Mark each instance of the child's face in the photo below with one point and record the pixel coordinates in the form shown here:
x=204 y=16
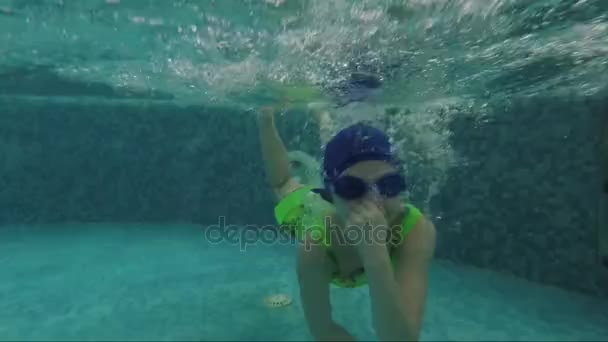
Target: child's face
x=370 y=172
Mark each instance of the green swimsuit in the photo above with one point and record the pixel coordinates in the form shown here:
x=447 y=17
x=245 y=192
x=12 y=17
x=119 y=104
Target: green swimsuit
x=304 y=211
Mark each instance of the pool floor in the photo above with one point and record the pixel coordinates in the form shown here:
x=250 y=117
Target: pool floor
x=149 y=282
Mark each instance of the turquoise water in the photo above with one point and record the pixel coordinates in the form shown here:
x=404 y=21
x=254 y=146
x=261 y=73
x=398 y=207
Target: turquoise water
x=167 y=282
x=241 y=53
x=150 y=282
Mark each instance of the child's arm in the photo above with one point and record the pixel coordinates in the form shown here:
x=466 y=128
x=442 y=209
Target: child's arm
x=314 y=275
x=274 y=154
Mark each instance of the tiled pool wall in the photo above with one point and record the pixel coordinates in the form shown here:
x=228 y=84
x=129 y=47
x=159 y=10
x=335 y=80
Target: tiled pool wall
x=525 y=202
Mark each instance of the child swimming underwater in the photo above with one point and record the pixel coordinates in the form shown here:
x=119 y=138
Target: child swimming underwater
x=363 y=235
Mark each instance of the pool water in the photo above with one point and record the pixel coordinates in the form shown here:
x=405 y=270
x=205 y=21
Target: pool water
x=167 y=282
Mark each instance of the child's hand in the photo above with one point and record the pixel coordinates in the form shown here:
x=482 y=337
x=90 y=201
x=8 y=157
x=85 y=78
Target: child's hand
x=368 y=219
x=266 y=113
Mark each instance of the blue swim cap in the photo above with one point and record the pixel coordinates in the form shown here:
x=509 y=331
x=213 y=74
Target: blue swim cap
x=353 y=144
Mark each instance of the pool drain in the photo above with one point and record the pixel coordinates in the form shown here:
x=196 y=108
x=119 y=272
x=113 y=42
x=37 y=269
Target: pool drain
x=278 y=300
